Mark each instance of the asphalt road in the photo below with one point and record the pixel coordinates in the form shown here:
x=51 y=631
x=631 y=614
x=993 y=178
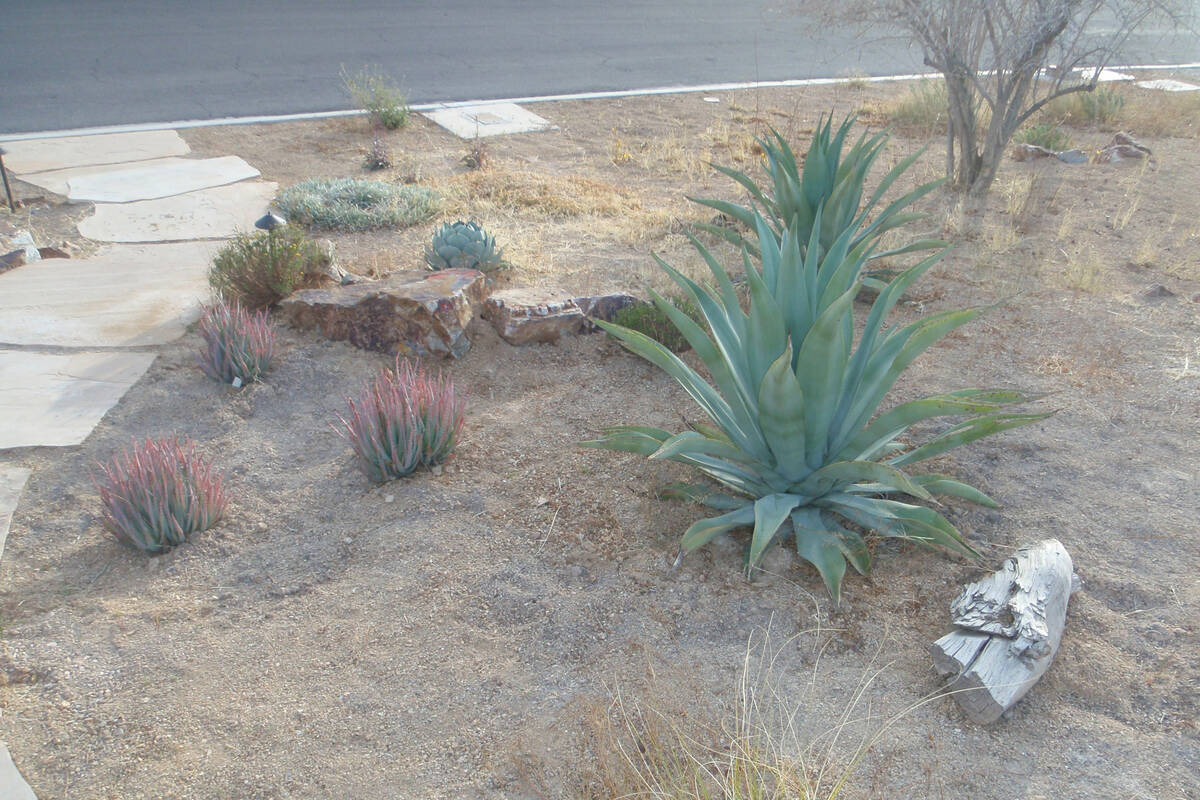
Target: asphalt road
x=84 y=63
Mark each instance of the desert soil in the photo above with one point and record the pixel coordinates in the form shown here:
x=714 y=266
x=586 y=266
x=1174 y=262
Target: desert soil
x=448 y=635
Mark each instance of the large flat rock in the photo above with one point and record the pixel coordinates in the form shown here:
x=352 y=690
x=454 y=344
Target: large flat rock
x=131 y=182
x=39 y=155
x=411 y=313
x=124 y=295
x=56 y=400
x=216 y=213
x=12 y=481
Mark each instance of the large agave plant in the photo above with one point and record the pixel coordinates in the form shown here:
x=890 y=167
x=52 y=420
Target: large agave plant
x=831 y=182
x=794 y=397
x=463 y=245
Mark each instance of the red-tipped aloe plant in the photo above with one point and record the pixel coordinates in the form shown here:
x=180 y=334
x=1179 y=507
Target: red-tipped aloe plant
x=158 y=492
x=238 y=344
x=403 y=419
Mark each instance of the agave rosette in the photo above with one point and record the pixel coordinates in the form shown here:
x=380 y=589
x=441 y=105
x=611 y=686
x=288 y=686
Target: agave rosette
x=794 y=396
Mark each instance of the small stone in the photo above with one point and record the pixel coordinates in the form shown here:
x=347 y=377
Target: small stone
x=12 y=260
x=436 y=469
x=541 y=501
x=1029 y=152
x=1075 y=156
x=53 y=252
x=348 y=540
x=387 y=498
x=1195 y=298
x=1156 y=291
x=529 y=316
x=262 y=526
x=603 y=307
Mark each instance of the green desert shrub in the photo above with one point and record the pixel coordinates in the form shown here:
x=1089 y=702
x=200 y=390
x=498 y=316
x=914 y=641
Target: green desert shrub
x=351 y=204
x=158 y=492
x=259 y=269
x=379 y=96
x=1049 y=135
x=649 y=319
x=1102 y=107
x=797 y=444
x=924 y=109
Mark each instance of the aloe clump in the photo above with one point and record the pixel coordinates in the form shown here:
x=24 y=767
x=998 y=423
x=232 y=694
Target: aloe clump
x=794 y=397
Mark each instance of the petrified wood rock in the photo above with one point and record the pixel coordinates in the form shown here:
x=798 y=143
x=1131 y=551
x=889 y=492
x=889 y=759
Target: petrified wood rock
x=1007 y=629
x=412 y=313
x=528 y=316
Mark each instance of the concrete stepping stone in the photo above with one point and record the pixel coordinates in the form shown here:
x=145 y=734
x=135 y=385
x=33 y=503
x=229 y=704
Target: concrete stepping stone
x=56 y=400
x=56 y=179
x=216 y=213
x=38 y=155
x=124 y=295
x=488 y=119
x=131 y=182
x=12 y=481
x=12 y=785
x=1168 y=85
x=142 y=180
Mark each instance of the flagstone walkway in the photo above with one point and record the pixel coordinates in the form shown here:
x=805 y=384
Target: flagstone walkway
x=161 y=216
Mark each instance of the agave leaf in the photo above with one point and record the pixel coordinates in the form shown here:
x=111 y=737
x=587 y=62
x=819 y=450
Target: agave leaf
x=781 y=417
x=743 y=432
x=770 y=512
x=740 y=213
x=852 y=384
x=968 y=431
x=902 y=520
x=693 y=443
x=911 y=247
x=887 y=426
x=819 y=373
x=695 y=493
x=892 y=356
x=816 y=544
x=843 y=473
x=766 y=336
x=945 y=485
x=704 y=531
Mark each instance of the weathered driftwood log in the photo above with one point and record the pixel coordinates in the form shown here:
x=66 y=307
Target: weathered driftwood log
x=1006 y=630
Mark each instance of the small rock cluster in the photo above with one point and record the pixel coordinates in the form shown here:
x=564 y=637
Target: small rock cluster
x=428 y=313
x=20 y=249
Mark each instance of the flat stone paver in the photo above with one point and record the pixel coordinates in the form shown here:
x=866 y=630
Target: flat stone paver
x=38 y=155
x=216 y=213
x=55 y=180
x=12 y=481
x=1168 y=85
x=124 y=295
x=12 y=785
x=488 y=119
x=56 y=400
x=131 y=182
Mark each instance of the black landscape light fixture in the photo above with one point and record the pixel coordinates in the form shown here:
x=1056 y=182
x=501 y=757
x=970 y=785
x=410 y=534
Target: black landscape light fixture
x=270 y=221
x=7 y=191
